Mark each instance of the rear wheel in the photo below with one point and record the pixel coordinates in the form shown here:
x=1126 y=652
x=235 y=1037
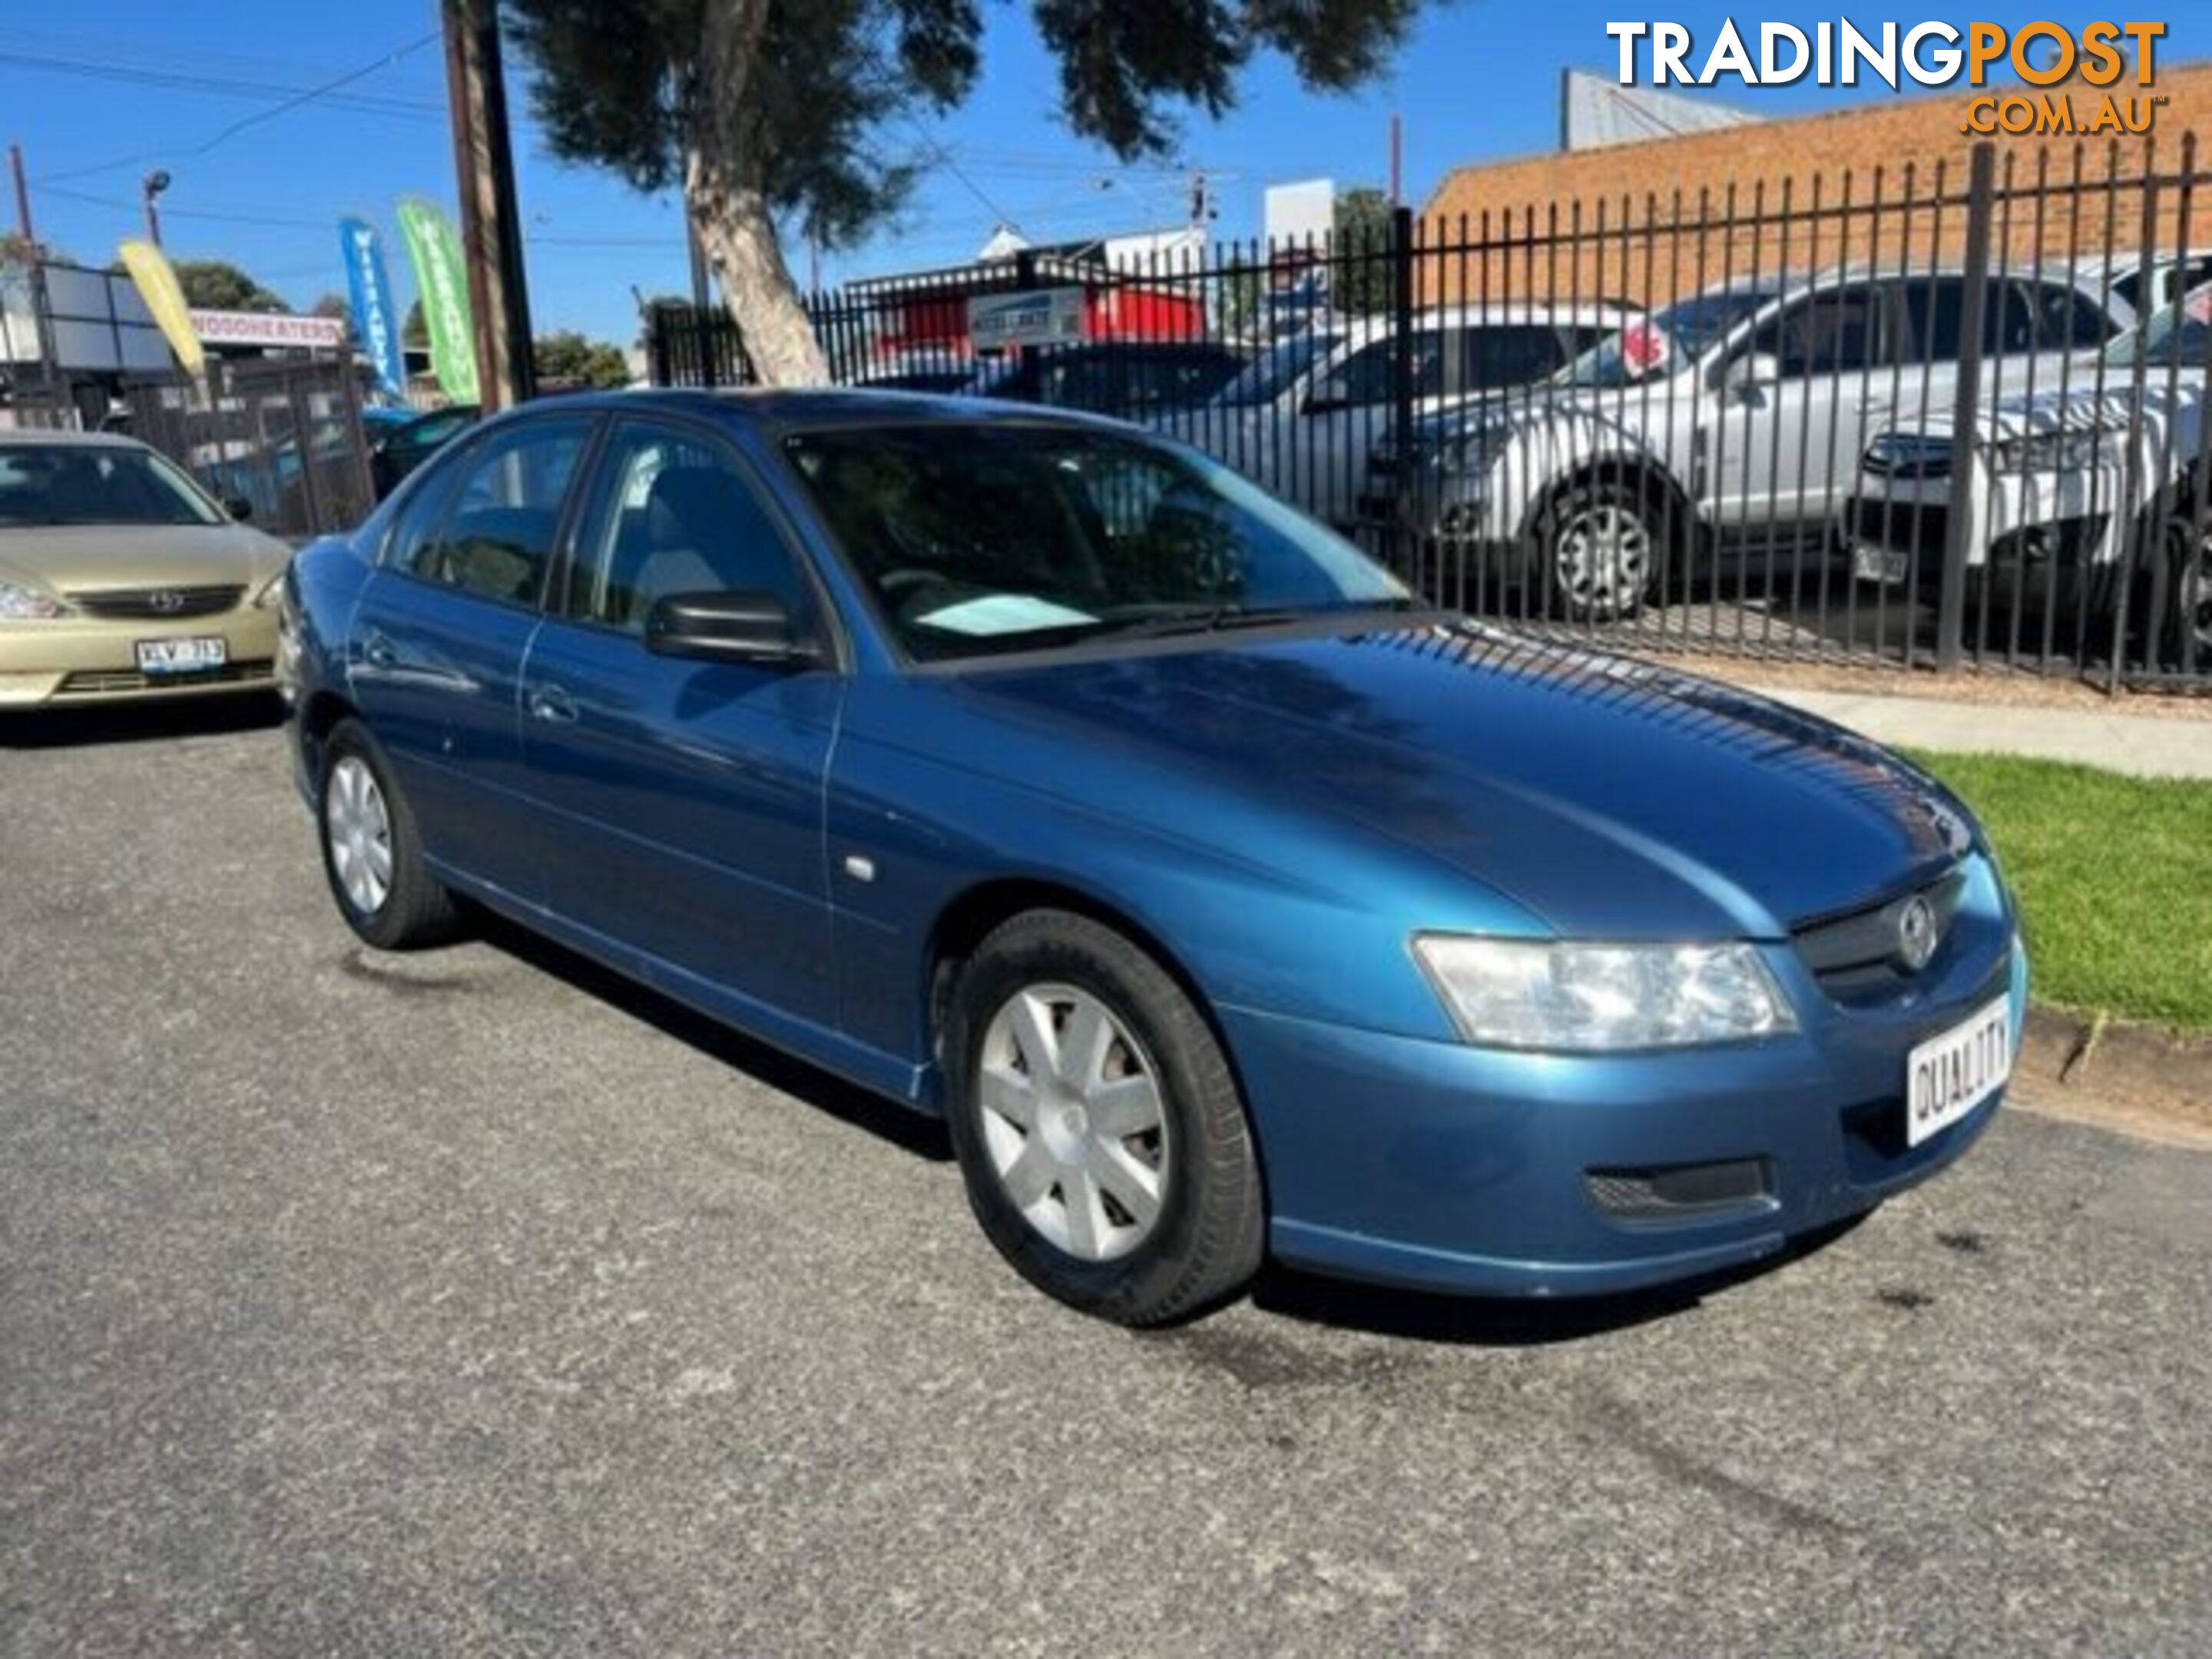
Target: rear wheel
x=1097 y=1124
x=371 y=851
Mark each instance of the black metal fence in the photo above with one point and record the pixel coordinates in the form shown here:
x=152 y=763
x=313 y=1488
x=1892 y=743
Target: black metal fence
x=1946 y=417
x=282 y=436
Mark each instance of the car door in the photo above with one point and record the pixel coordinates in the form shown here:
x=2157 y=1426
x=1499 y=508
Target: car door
x=435 y=648
x=1791 y=408
x=683 y=798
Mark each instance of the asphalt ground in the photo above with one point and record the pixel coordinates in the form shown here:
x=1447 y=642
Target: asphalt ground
x=474 y=1302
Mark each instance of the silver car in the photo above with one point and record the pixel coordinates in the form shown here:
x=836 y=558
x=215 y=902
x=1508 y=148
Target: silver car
x=1727 y=424
x=2062 y=480
x=1303 y=419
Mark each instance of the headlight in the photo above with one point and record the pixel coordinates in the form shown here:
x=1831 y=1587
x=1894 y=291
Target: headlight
x=271 y=593
x=2051 y=451
x=1576 y=998
x=1469 y=451
x=20 y=604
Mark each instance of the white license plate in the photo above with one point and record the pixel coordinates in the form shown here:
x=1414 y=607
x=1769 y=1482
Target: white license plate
x=1951 y=1073
x=1878 y=564
x=193 y=656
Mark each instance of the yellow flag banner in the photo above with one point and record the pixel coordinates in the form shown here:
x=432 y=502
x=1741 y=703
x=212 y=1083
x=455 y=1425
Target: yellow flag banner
x=157 y=285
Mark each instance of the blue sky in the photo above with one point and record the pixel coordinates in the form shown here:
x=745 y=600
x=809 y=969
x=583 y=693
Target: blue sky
x=1479 y=81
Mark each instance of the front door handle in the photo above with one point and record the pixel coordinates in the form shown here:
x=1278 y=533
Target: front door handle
x=552 y=703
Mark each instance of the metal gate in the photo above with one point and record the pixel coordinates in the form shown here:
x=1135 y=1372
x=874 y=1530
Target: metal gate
x=283 y=439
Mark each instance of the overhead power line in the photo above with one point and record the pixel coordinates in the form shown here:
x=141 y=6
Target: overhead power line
x=220 y=86
x=175 y=152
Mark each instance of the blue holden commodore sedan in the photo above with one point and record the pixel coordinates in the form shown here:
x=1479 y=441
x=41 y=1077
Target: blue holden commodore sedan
x=1225 y=899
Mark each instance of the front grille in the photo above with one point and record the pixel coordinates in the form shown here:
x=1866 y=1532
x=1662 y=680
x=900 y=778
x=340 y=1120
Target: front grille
x=1905 y=455
x=1858 y=951
x=1682 y=1192
x=1907 y=526
x=105 y=682
x=158 y=604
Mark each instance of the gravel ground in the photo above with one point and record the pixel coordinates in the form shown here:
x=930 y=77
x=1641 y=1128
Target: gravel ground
x=473 y=1303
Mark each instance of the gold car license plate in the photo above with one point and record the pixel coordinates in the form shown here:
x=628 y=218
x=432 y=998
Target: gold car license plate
x=191 y=656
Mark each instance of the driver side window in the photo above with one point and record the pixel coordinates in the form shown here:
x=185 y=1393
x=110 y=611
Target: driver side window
x=671 y=512
x=1837 y=332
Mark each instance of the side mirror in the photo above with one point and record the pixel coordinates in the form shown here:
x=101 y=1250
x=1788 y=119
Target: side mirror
x=238 y=507
x=1753 y=370
x=752 y=627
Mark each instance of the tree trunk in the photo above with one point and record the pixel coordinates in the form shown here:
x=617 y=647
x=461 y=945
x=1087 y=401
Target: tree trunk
x=724 y=189
x=739 y=235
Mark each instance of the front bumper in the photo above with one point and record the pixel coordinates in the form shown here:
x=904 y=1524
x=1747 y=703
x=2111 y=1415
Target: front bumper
x=2023 y=531
x=1434 y=1165
x=87 y=660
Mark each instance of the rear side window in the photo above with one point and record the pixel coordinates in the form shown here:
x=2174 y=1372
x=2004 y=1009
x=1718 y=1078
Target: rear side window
x=495 y=536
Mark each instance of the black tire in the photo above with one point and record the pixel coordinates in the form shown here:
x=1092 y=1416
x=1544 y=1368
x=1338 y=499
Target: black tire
x=1576 y=591
x=416 y=909
x=2188 y=587
x=1210 y=1236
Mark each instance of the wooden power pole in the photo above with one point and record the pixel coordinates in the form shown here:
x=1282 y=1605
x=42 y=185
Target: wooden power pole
x=491 y=227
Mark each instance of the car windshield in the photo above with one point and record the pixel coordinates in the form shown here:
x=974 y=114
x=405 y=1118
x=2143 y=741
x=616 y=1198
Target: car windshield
x=1269 y=374
x=1663 y=341
x=983 y=539
x=49 y=484
x=2178 y=336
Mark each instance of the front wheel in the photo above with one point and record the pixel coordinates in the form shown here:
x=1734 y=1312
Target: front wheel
x=2188 y=551
x=1099 y=1127
x=1598 y=552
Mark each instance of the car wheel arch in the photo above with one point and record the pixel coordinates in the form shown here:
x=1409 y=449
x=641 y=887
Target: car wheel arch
x=968 y=918
x=319 y=716
x=1668 y=502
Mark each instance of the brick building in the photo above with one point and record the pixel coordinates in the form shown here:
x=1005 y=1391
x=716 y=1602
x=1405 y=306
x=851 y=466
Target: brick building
x=1882 y=184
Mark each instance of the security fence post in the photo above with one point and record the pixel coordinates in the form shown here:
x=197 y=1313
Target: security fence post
x=1951 y=606
x=1406 y=555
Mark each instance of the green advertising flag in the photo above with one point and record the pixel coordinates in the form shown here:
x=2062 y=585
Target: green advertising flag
x=435 y=253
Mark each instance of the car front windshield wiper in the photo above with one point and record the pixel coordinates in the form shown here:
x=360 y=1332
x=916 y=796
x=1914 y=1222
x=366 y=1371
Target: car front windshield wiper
x=1222 y=619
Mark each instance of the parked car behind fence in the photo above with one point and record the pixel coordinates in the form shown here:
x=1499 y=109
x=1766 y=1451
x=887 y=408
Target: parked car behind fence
x=1720 y=431
x=2087 y=498
x=1828 y=316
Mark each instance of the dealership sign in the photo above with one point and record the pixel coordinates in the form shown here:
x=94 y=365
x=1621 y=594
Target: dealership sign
x=1935 y=53
x=268 y=328
x=1034 y=318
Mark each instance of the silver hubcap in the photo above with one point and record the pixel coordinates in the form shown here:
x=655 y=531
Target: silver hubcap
x=360 y=835
x=1072 y=1120
x=1604 y=558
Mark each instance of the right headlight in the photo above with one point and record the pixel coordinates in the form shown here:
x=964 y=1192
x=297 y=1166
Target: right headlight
x=1469 y=449
x=1574 y=997
x=21 y=604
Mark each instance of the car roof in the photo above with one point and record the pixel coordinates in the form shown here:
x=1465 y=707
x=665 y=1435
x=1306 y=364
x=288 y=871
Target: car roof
x=31 y=434
x=780 y=410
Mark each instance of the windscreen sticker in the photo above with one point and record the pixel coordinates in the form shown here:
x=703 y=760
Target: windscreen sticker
x=1643 y=347
x=1003 y=613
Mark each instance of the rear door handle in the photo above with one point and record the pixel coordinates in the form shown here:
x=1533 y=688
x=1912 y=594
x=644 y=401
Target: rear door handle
x=552 y=703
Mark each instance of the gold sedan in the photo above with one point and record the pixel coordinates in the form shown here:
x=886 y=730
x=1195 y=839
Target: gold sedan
x=121 y=579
